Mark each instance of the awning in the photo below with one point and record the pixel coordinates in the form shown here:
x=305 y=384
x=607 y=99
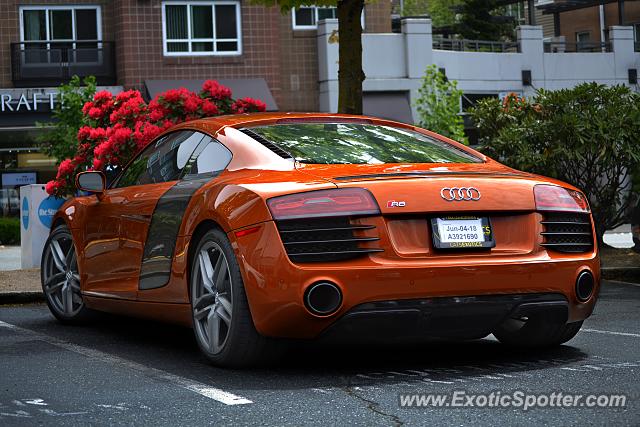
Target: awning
x=388 y=105
x=256 y=88
x=569 y=5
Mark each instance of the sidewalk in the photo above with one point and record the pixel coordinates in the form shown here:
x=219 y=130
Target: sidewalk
x=20 y=286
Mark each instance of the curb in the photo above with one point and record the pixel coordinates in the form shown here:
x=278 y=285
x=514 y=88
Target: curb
x=627 y=274
x=18 y=297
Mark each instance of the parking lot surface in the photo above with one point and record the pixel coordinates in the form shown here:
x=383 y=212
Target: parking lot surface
x=123 y=371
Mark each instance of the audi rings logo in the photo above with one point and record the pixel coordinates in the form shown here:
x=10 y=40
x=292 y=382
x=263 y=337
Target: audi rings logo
x=460 y=193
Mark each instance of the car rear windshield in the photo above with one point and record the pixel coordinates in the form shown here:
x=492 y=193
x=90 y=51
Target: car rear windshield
x=355 y=143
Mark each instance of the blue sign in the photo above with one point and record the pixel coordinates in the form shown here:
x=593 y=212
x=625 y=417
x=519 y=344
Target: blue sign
x=25 y=213
x=47 y=209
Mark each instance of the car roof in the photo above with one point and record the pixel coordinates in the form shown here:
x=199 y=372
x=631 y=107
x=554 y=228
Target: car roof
x=215 y=124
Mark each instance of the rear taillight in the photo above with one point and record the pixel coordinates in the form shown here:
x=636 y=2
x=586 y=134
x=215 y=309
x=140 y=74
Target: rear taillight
x=556 y=198
x=324 y=203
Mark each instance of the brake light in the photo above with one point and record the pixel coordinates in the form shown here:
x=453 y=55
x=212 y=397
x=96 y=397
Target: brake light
x=324 y=203
x=556 y=198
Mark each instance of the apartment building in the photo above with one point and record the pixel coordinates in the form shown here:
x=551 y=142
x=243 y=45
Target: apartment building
x=150 y=45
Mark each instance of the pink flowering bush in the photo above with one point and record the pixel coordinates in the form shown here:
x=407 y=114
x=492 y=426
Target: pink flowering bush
x=118 y=127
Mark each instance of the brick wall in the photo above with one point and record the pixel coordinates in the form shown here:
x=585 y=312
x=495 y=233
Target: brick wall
x=140 y=55
x=588 y=19
x=10 y=27
x=377 y=17
x=298 y=66
x=299 y=57
x=286 y=59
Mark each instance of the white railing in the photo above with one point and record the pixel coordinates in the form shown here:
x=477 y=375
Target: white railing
x=396 y=62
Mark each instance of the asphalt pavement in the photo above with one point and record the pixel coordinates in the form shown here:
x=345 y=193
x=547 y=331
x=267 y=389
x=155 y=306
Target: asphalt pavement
x=122 y=371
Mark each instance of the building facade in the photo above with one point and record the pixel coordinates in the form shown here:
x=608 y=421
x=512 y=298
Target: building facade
x=149 y=45
x=584 y=24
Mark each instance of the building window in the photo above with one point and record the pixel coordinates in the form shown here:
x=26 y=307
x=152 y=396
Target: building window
x=636 y=32
x=61 y=24
x=201 y=28
x=583 y=37
x=307 y=17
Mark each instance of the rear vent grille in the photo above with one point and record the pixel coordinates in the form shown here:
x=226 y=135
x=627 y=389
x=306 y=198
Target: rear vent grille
x=270 y=145
x=325 y=239
x=567 y=232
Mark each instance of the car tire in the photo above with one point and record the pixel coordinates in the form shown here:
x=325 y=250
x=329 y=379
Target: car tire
x=60 y=278
x=536 y=332
x=219 y=307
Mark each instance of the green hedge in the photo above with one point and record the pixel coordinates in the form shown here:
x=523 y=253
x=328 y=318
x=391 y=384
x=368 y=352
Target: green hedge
x=9 y=231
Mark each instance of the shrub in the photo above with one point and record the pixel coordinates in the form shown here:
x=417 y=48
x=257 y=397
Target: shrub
x=115 y=128
x=588 y=136
x=438 y=105
x=58 y=140
x=9 y=231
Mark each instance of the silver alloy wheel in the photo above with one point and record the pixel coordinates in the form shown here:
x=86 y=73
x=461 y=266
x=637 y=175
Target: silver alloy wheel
x=212 y=297
x=61 y=281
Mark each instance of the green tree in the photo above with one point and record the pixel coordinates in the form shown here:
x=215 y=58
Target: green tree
x=415 y=7
x=588 y=136
x=443 y=12
x=482 y=20
x=350 y=74
x=60 y=139
x=438 y=105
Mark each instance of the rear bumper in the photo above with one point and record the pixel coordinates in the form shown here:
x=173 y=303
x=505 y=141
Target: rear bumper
x=444 y=317
x=275 y=286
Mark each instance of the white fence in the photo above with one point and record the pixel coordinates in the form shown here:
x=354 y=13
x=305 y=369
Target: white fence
x=396 y=62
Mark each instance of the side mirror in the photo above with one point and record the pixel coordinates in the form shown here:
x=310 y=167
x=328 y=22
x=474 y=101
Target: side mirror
x=91 y=181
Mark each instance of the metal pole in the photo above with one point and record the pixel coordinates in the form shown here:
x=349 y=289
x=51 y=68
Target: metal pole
x=620 y=12
x=532 y=12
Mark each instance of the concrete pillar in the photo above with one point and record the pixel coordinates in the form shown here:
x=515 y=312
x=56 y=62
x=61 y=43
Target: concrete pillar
x=557 y=44
x=531 y=42
x=326 y=37
x=418 y=45
x=622 y=45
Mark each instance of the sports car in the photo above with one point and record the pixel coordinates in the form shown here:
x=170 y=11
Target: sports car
x=260 y=228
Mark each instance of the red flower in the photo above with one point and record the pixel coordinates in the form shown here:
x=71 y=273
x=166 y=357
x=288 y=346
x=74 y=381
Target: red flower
x=103 y=96
x=50 y=187
x=97 y=134
x=66 y=168
x=248 y=105
x=173 y=95
x=192 y=104
x=215 y=90
x=124 y=96
x=84 y=132
x=95 y=113
x=98 y=164
x=209 y=108
x=86 y=107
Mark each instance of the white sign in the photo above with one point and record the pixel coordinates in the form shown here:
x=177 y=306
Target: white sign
x=13 y=179
x=27 y=102
x=460 y=230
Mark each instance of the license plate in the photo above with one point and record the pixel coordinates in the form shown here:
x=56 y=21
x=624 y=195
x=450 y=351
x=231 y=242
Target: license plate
x=462 y=232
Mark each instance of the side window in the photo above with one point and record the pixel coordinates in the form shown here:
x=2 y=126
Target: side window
x=213 y=159
x=162 y=160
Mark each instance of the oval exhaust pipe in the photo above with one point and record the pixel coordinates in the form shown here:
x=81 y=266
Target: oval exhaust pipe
x=323 y=298
x=585 y=285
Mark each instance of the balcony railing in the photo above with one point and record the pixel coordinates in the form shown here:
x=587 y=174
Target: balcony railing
x=43 y=63
x=588 y=47
x=464 y=45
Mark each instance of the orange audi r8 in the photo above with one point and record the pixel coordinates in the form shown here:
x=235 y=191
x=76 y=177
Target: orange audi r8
x=251 y=228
